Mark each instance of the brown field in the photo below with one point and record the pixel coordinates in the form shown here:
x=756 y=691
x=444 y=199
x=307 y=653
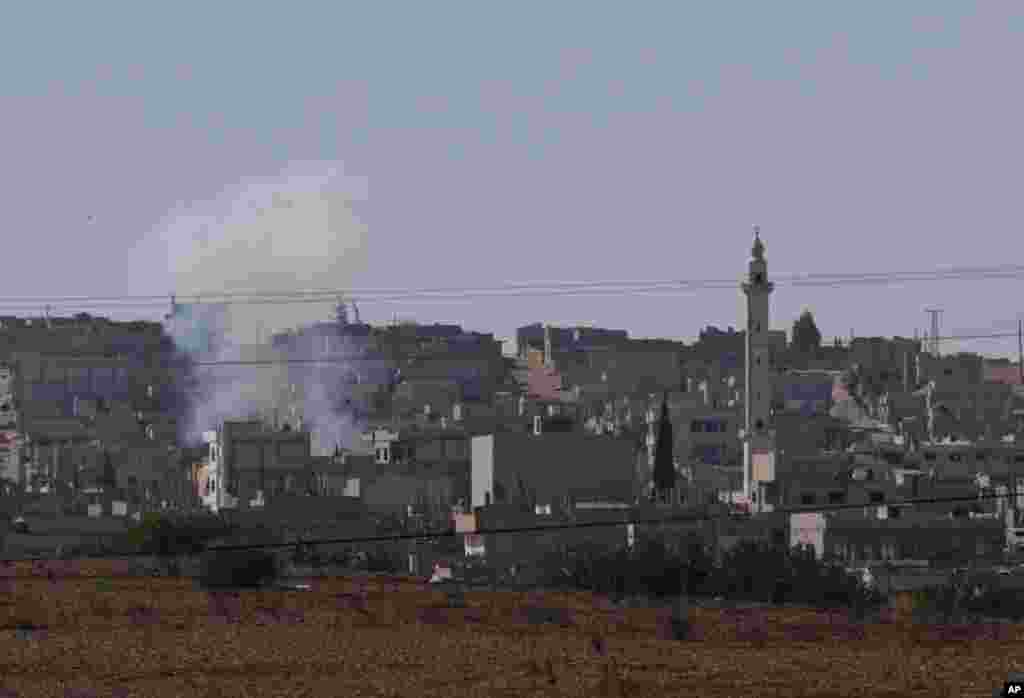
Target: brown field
x=389 y=645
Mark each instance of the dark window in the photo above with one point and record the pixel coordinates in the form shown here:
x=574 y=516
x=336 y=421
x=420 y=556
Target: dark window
x=877 y=497
x=956 y=457
x=807 y=498
x=929 y=456
x=695 y=426
x=836 y=497
x=1019 y=458
x=894 y=512
x=760 y=424
x=948 y=372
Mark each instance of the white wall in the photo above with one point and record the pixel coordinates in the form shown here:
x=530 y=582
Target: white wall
x=482 y=478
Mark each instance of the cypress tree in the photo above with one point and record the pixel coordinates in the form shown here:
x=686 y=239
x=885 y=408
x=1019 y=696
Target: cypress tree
x=664 y=469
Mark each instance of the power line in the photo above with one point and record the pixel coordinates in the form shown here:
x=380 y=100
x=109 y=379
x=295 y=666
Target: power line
x=562 y=288
x=688 y=517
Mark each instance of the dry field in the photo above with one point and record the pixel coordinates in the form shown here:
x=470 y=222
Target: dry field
x=162 y=637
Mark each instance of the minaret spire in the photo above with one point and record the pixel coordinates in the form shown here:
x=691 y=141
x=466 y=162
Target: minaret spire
x=758 y=251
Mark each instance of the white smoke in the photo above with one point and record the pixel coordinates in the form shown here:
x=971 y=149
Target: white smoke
x=296 y=231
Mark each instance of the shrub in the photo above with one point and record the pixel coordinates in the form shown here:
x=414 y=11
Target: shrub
x=238 y=568
x=751 y=571
x=380 y=561
x=162 y=534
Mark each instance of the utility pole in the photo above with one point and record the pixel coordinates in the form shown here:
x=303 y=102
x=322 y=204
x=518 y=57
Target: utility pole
x=1020 y=349
x=934 y=312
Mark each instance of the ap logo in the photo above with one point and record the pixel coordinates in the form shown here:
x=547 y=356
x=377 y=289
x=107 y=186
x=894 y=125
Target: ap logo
x=1014 y=686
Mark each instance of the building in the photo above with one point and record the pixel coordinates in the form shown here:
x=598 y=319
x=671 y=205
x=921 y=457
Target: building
x=889 y=364
x=550 y=469
x=1003 y=371
x=957 y=369
x=941 y=542
x=10 y=437
x=250 y=463
x=758 y=435
x=559 y=339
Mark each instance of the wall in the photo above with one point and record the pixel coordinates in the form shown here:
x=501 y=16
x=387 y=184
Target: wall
x=482 y=470
x=552 y=466
x=391 y=494
x=505 y=549
x=940 y=540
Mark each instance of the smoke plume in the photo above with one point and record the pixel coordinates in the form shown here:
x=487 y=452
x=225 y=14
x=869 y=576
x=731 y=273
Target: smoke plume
x=296 y=231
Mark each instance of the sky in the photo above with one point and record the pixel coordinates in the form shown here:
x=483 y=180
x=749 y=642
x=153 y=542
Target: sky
x=489 y=144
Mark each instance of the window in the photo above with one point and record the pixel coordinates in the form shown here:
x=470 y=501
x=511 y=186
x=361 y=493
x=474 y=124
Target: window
x=836 y=497
x=877 y=497
x=759 y=425
x=695 y=426
x=929 y=456
x=948 y=372
x=807 y=498
x=956 y=457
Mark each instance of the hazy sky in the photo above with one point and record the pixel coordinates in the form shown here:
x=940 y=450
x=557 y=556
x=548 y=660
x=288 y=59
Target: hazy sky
x=535 y=142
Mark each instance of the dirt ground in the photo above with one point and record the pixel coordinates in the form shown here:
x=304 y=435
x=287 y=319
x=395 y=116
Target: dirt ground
x=164 y=637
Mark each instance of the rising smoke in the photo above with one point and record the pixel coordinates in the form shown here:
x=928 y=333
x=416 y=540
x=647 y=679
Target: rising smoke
x=296 y=231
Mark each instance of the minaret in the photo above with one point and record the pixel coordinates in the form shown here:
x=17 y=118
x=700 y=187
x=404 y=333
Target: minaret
x=758 y=435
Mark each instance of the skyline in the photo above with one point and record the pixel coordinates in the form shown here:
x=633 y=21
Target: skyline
x=507 y=149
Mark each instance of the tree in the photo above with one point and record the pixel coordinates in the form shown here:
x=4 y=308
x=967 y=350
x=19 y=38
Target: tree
x=664 y=468
x=805 y=336
x=109 y=474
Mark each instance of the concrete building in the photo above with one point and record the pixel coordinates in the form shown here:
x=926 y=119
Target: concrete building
x=957 y=369
x=550 y=469
x=758 y=434
x=560 y=339
x=969 y=411
x=1003 y=371
x=915 y=537
x=251 y=463
x=10 y=435
x=889 y=363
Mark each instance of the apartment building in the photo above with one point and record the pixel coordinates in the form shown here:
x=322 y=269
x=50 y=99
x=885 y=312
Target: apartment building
x=250 y=463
